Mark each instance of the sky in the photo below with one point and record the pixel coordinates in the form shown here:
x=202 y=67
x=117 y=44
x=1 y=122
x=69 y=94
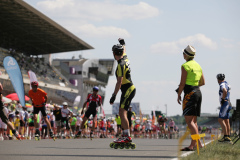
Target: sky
x=155 y=33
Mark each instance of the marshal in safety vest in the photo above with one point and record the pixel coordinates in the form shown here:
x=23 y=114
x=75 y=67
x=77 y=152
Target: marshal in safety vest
x=194 y=72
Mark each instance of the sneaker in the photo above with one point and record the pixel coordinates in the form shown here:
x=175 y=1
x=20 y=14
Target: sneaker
x=221 y=140
x=227 y=140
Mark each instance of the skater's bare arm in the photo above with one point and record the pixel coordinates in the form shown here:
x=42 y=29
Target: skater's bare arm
x=46 y=98
x=202 y=81
x=84 y=105
x=118 y=85
x=1 y=87
x=182 y=84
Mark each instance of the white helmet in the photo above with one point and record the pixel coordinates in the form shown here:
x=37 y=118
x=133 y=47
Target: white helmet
x=65 y=104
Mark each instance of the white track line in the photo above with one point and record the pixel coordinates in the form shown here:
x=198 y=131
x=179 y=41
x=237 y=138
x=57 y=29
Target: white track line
x=188 y=153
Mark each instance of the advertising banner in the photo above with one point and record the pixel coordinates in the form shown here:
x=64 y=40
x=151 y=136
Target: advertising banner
x=15 y=75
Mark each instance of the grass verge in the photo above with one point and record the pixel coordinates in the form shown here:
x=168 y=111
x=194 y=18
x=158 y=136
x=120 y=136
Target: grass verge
x=217 y=151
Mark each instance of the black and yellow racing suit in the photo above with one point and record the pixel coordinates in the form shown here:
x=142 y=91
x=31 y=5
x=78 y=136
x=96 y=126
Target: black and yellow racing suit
x=127 y=87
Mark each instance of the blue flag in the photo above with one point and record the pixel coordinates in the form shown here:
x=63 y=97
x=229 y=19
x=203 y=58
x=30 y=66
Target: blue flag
x=15 y=75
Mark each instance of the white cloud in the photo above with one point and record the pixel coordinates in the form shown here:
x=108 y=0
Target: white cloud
x=198 y=40
x=98 y=11
x=104 y=31
x=90 y=30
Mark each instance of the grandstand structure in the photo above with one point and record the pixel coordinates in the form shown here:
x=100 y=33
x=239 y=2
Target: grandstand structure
x=84 y=74
x=31 y=37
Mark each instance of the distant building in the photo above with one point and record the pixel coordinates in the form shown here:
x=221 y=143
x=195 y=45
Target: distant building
x=86 y=73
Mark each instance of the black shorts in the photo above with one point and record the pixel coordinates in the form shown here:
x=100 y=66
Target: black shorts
x=42 y=109
x=21 y=123
x=73 y=128
x=2 y=114
x=66 y=122
x=31 y=124
x=127 y=96
x=119 y=126
x=192 y=103
x=91 y=110
x=52 y=123
x=130 y=123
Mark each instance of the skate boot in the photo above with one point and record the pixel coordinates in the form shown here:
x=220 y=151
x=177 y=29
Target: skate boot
x=17 y=135
x=51 y=134
x=166 y=137
x=125 y=142
x=91 y=135
x=37 y=135
x=78 y=134
x=112 y=144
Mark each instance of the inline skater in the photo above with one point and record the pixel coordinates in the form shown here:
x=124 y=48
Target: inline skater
x=78 y=123
x=128 y=90
x=58 y=116
x=3 y=126
x=23 y=115
x=65 y=112
x=224 y=98
x=39 y=100
x=95 y=101
x=162 y=125
x=148 y=129
x=4 y=117
x=171 y=125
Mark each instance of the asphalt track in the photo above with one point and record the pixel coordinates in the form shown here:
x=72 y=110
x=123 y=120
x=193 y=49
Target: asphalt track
x=86 y=149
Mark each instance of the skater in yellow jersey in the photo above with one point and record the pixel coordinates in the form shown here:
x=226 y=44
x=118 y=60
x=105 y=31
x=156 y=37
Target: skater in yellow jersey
x=124 y=82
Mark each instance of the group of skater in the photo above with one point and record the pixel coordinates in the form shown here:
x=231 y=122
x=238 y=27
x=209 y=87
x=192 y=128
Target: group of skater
x=192 y=79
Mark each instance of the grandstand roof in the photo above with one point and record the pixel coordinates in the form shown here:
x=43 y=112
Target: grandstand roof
x=27 y=30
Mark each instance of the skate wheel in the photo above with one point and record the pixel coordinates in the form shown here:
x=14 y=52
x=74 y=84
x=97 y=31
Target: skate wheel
x=54 y=138
x=127 y=146
x=121 y=146
x=133 y=146
x=111 y=145
x=115 y=146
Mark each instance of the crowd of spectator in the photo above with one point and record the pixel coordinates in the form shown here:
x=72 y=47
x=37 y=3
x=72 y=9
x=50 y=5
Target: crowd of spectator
x=22 y=118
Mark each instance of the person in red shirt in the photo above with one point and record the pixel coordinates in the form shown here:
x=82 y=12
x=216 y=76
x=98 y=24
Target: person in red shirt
x=39 y=99
x=94 y=101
